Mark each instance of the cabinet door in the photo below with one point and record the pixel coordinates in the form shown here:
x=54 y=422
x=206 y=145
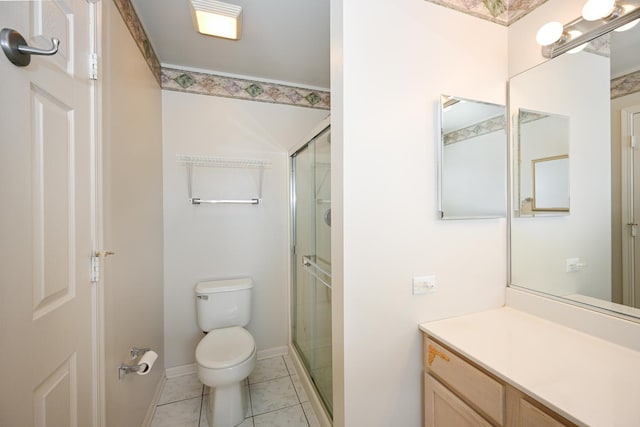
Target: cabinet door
x=521 y=412
x=445 y=409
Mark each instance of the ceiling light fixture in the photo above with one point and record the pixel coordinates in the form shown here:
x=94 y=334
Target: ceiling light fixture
x=215 y=18
x=598 y=17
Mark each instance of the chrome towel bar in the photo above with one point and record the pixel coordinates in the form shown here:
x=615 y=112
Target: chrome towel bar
x=197 y=201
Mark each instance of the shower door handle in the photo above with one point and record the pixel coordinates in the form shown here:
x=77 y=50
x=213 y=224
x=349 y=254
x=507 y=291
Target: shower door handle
x=313 y=268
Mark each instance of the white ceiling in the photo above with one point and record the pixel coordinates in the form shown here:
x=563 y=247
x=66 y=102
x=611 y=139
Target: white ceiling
x=285 y=41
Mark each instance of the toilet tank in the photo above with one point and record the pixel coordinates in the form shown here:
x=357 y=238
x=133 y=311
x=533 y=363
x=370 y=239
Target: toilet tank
x=223 y=303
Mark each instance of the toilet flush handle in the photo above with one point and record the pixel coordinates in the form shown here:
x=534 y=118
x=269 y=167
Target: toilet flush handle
x=204 y=297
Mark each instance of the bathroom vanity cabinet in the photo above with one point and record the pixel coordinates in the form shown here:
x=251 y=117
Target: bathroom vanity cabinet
x=459 y=393
x=505 y=367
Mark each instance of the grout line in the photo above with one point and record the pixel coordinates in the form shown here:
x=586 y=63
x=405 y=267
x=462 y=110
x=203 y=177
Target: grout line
x=279 y=409
x=176 y=401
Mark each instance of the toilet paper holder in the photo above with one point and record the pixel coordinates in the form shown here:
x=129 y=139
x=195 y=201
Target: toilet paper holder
x=143 y=364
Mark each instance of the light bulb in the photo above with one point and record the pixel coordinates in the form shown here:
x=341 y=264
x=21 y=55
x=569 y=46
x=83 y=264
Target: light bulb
x=549 y=33
x=574 y=35
x=627 y=8
x=598 y=9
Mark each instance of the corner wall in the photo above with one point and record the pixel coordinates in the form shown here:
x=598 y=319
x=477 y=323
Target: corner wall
x=208 y=242
x=384 y=133
x=132 y=169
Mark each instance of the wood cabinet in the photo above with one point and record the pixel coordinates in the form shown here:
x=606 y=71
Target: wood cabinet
x=459 y=393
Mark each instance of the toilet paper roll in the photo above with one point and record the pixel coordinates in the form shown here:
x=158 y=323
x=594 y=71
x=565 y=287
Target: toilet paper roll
x=146 y=362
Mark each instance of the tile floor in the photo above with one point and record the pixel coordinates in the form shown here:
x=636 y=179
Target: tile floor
x=277 y=399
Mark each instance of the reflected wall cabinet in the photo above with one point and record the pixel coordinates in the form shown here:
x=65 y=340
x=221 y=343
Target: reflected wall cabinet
x=457 y=393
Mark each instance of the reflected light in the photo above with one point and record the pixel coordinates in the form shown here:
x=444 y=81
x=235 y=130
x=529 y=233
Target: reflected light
x=627 y=8
x=575 y=34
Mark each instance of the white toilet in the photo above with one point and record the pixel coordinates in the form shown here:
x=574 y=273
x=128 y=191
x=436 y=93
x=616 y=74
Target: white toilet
x=227 y=354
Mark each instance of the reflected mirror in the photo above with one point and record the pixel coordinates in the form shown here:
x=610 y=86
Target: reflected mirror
x=589 y=256
x=473 y=159
x=542 y=163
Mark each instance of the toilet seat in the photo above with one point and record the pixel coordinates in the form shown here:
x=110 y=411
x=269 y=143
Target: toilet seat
x=225 y=348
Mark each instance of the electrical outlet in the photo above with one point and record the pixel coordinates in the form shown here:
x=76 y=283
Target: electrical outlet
x=424 y=285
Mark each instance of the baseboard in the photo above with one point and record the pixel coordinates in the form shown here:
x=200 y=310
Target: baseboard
x=178 y=371
x=148 y=419
x=318 y=407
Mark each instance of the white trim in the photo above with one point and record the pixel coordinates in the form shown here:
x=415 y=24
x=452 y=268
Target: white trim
x=192 y=368
x=97 y=226
x=151 y=411
x=178 y=371
x=314 y=400
x=319 y=128
x=627 y=180
x=244 y=77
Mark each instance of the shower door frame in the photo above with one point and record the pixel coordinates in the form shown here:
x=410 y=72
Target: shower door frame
x=297 y=357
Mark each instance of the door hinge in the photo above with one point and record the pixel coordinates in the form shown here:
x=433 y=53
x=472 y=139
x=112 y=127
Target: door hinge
x=633 y=229
x=632 y=141
x=93 y=66
x=95 y=267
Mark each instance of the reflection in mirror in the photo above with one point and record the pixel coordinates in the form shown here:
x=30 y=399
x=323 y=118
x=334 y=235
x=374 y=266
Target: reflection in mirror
x=589 y=257
x=551 y=184
x=542 y=164
x=473 y=159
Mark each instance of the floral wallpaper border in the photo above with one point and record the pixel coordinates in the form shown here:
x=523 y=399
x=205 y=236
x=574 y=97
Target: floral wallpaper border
x=625 y=85
x=134 y=25
x=228 y=87
x=488 y=126
x=211 y=84
x=504 y=12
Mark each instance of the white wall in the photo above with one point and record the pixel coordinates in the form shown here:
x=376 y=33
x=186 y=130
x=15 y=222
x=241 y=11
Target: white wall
x=132 y=165
x=215 y=241
x=391 y=61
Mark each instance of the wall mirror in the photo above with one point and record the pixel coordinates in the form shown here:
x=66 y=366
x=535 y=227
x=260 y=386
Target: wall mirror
x=472 y=159
x=542 y=163
x=586 y=254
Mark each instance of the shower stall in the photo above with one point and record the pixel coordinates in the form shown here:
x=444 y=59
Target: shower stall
x=311 y=261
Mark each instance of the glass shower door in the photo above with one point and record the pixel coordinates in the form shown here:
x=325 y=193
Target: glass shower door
x=311 y=258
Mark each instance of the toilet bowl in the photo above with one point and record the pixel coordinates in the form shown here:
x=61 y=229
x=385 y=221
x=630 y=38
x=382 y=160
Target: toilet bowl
x=225 y=357
x=227 y=354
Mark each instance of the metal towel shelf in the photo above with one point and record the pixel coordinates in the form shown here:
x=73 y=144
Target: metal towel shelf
x=222 y=162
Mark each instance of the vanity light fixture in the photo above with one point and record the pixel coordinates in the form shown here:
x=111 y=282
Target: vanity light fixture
x=598 y=9
x=549 y=33
x=215 y=18
x=598 y=17
x=627 y=8
x=575 y=34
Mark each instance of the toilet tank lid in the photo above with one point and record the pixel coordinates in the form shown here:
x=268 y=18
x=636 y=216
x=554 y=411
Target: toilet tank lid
x=213 y=286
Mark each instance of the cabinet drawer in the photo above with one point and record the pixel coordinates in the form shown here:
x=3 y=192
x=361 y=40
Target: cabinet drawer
x=476 y=387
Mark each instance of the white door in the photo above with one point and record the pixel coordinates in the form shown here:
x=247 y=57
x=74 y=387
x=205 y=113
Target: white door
x=47 y=325
x=631 y=206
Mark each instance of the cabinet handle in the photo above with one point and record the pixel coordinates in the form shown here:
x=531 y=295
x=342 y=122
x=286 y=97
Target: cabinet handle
x=433 y=352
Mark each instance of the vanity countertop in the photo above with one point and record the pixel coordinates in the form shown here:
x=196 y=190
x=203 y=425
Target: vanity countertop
x=586 y=379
